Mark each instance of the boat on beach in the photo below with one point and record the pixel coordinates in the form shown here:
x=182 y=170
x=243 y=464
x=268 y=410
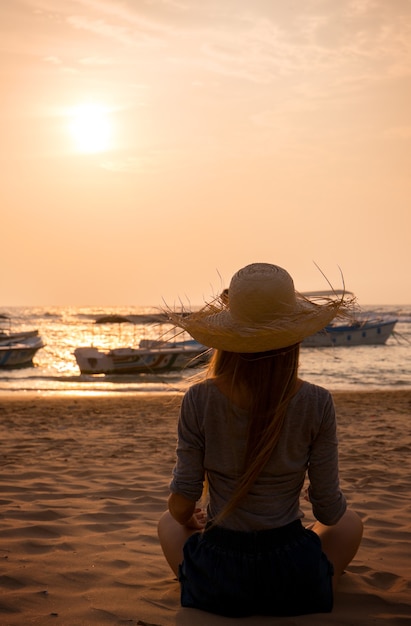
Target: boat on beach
x=150 y=356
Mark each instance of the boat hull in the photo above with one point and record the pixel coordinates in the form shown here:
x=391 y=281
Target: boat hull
x=20 y=354
x=367 y=333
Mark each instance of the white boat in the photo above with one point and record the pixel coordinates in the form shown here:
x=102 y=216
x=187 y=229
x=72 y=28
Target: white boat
x=367 y=332
x=20 y=353
x=17 y=349
x=149 y=357
x=362 y=331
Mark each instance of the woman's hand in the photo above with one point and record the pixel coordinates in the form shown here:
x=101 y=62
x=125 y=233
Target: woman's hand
x=197 y=521
x=186 y=512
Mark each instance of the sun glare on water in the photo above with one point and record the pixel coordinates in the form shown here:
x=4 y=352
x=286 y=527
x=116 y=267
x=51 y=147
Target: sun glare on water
x=90 y=128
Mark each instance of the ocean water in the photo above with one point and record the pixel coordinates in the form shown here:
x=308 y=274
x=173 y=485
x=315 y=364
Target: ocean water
x=63 y=329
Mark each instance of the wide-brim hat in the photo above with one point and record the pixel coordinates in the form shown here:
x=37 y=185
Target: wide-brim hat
x=261 y=311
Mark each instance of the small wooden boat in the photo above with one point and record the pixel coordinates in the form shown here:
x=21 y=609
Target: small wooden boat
x=20 y=352
x=363 y=331
x=367 y=332
x=17 y=349
x=149 y=357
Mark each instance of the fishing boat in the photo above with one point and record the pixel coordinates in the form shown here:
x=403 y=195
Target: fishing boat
x=366 y=332
x=19 y=352
x=18 y=348
x=149 y=357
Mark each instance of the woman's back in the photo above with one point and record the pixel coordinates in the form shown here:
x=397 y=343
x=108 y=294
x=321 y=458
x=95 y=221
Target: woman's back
x=307 y=436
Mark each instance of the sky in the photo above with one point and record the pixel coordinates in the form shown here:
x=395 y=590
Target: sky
x=151 y=148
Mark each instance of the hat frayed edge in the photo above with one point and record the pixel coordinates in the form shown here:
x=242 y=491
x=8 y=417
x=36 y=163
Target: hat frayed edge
x=213 y=326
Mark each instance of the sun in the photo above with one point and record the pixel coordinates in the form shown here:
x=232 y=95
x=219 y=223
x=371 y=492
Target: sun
x=90 y=128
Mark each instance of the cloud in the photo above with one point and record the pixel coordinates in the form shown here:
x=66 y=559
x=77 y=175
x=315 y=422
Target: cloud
x=130 y=16
x=347 y=43
x=94 y=60
x=121 y=33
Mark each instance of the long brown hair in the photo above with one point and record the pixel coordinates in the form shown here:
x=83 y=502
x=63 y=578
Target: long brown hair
x=268 y=380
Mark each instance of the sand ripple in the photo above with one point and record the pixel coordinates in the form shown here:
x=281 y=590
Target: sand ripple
x=83 y=482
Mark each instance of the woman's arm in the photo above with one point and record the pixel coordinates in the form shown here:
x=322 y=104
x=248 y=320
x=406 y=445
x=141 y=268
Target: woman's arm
x=324 y=492
x=185 y=512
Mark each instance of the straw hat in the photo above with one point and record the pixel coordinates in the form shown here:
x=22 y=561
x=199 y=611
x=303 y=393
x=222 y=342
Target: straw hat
x=261 y=312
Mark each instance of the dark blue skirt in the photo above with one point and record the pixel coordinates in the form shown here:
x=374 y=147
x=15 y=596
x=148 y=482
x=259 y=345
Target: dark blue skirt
x=270 y=572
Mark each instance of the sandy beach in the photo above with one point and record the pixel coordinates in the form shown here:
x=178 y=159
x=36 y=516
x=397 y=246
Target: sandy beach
x=85 y=479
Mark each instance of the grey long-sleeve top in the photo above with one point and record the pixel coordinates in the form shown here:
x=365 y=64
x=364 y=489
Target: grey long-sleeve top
x=212 y=439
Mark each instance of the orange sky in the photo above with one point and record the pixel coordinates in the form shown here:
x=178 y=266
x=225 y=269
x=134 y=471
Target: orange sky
x=222 y=133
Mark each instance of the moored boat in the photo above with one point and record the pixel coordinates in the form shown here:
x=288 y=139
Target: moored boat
x=20 y=353
x=149 y=357
x=18 y=348
x=367 y=332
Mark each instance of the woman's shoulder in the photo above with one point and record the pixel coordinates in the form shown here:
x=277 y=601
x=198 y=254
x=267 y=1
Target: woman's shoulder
x=202 y=388
x=311 y=406
x=310 y=391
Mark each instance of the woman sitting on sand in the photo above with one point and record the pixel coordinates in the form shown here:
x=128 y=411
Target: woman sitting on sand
x=251 y=431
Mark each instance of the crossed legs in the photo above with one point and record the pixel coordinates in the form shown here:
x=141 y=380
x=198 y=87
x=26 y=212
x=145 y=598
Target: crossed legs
x=172 y=537
x=339 y=542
